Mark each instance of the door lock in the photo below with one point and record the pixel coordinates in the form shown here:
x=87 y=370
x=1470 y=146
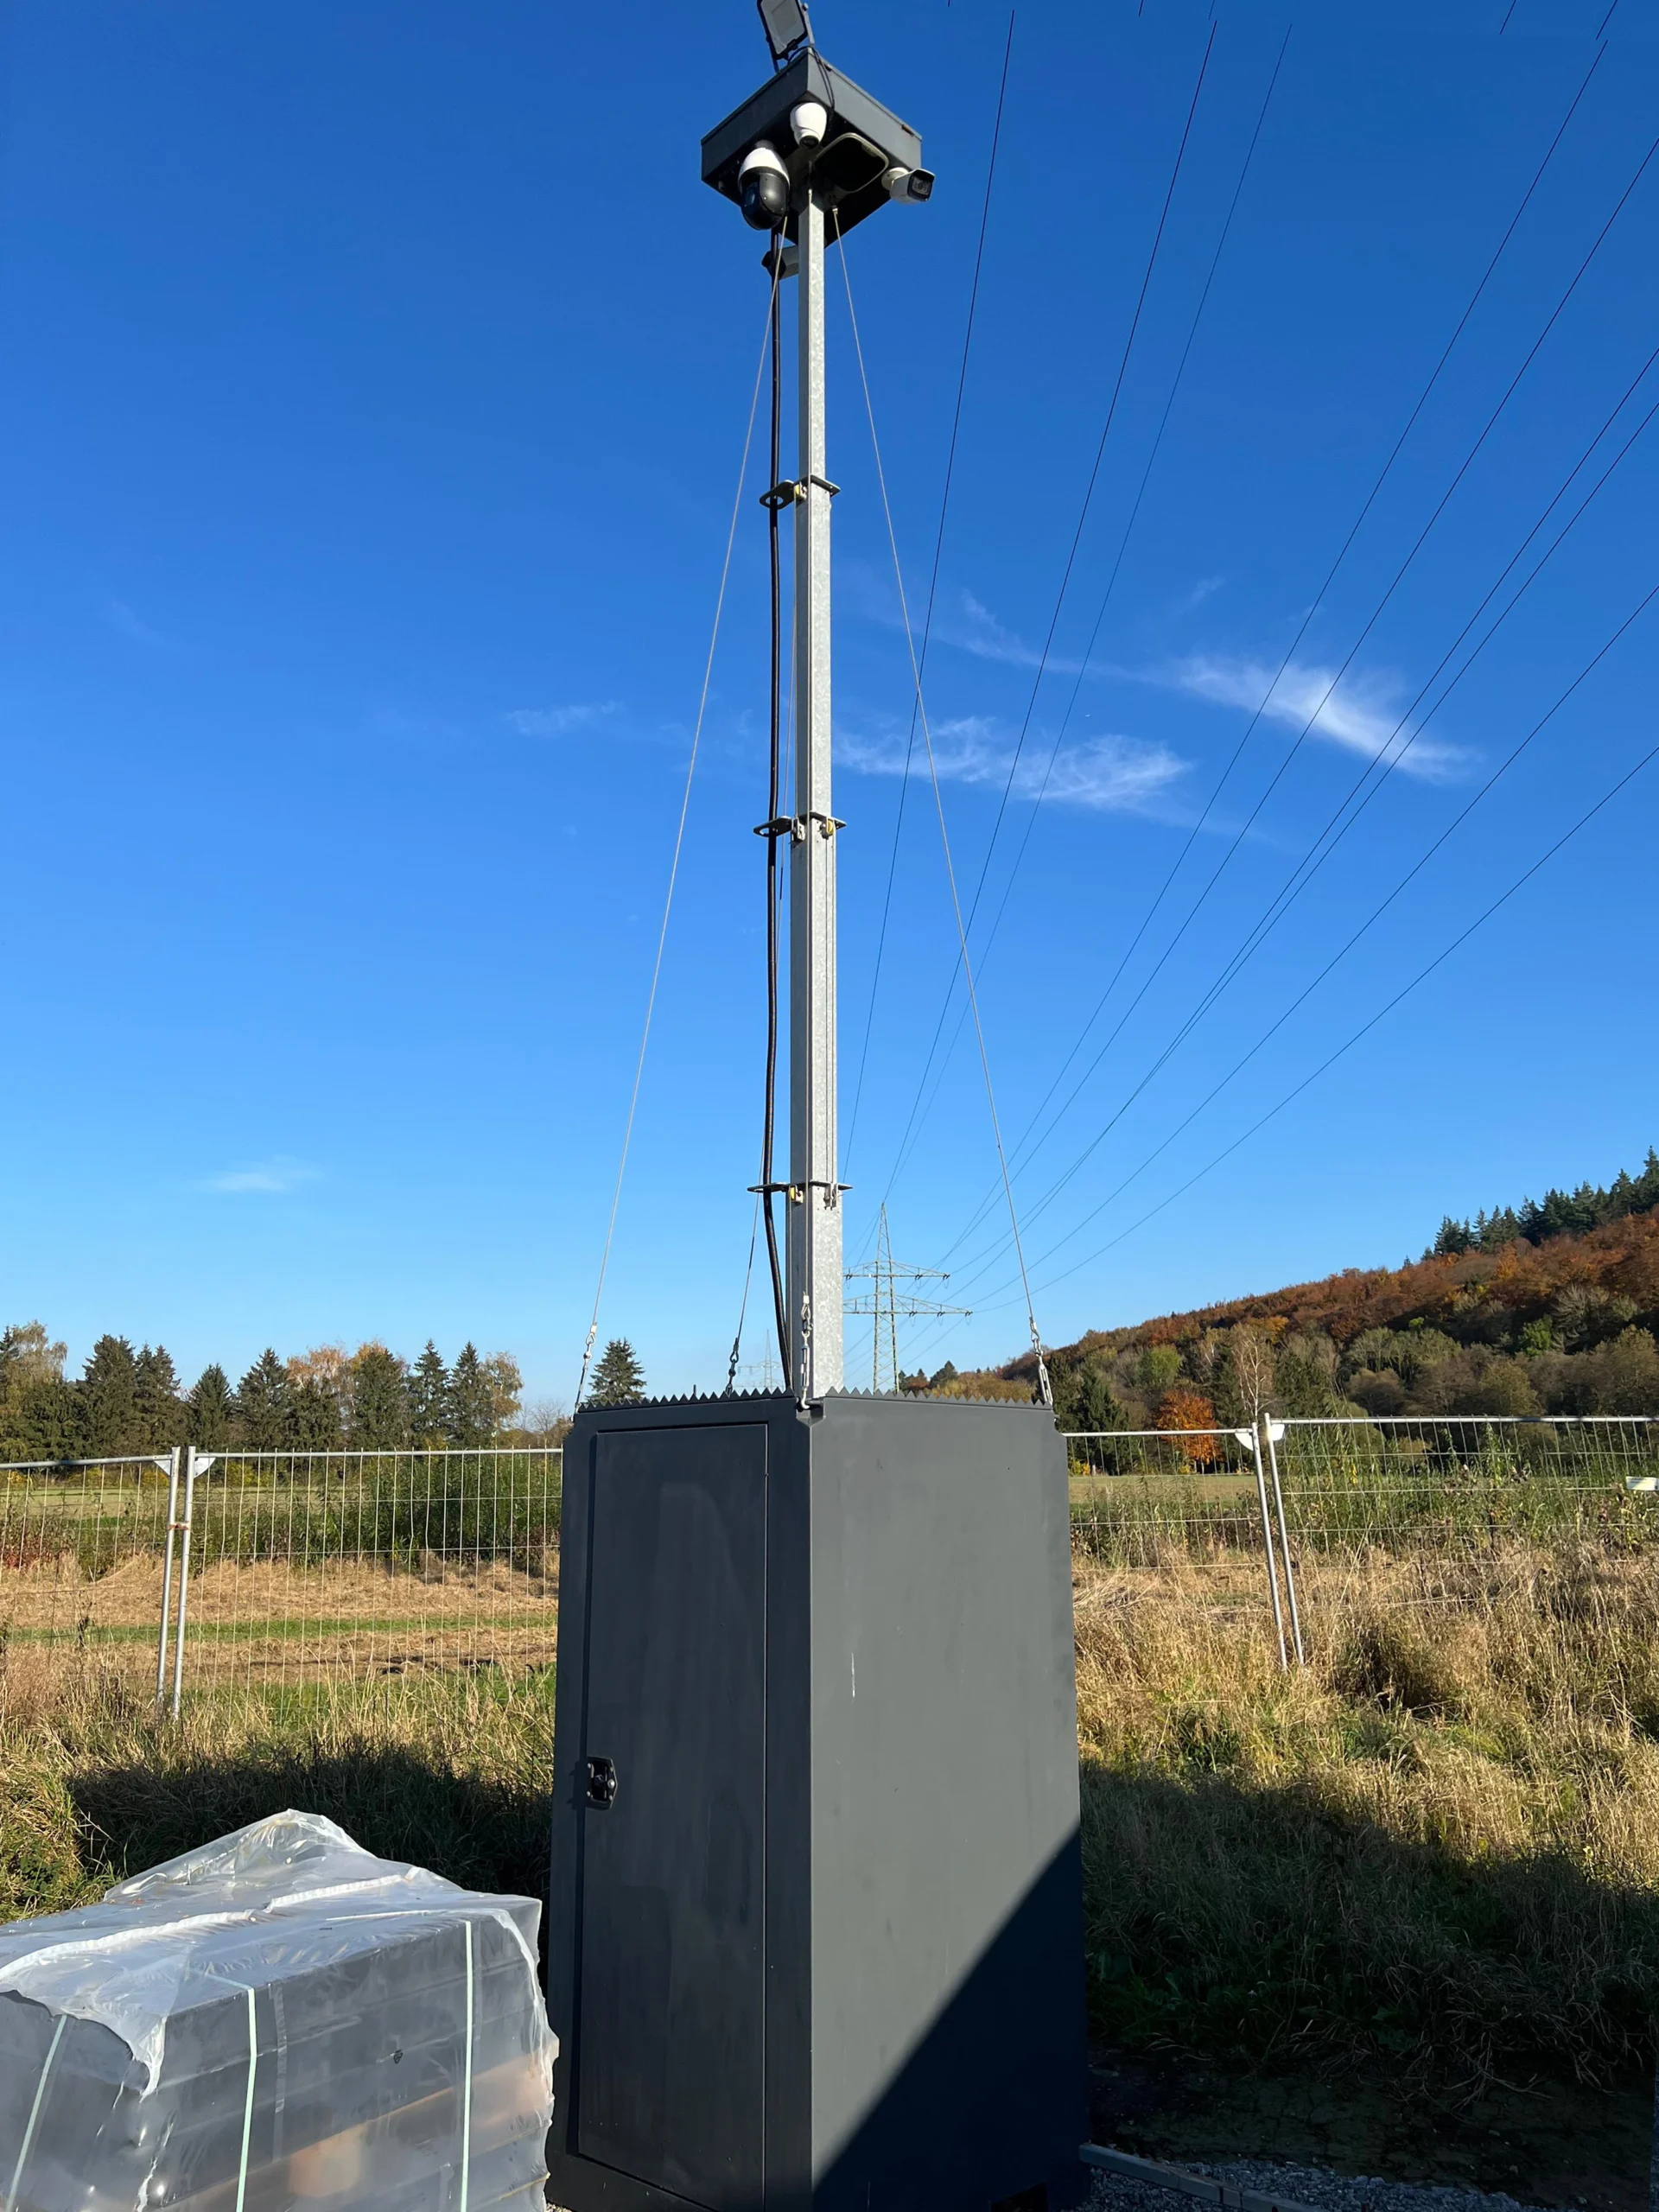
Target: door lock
x=602 y=1784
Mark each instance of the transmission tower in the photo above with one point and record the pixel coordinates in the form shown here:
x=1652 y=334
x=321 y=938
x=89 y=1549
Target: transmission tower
x=886 y=1302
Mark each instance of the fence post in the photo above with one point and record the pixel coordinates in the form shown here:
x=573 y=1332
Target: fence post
x=167 y=1573
x=1252 y=1436
x=184 y=1576
x=1275 y=1431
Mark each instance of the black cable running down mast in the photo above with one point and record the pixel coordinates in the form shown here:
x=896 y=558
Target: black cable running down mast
x=775 y=717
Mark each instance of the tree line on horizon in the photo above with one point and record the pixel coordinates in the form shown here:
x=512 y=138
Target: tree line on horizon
x=1552 y=1308
x=1559 y=1213
x=129 y=1399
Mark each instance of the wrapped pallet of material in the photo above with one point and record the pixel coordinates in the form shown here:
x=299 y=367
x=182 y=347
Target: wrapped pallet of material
x=279 y=2019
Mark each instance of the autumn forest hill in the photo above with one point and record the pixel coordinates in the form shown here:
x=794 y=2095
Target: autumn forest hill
x=131 y=1401
x=1549 y=1308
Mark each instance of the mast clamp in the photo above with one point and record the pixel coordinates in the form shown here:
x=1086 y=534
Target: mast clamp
x=795 y=826
x=796 y=1192
x=786 y=494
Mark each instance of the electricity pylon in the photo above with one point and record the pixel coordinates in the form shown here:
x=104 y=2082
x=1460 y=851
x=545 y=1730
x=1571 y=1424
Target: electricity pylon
x=886 y=1303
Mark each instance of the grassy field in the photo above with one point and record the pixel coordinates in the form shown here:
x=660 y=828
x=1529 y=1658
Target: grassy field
x=1438 y=1845
x=1432 y=1857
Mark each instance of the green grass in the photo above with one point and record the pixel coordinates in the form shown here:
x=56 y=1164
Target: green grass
x=453 y=1774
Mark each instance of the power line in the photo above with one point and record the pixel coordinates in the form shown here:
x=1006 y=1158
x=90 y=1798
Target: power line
x=1422 y=976
x=932 y=585
x=1197 y=905
x=1585 y=672
x=1146 y=475
x=1302 y=874
x=674 y=865
x=1059 y=601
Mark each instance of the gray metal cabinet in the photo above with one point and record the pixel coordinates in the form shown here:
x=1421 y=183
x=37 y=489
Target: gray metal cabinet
x=815 y=1930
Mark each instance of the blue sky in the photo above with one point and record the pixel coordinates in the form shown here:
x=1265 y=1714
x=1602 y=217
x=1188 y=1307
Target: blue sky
x=375 y=379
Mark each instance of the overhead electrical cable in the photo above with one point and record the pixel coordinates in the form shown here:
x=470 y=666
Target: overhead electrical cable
x=1390 y=755
x=1059 y=600
x=679 y=840
x=1383 y=904
x=1140 y=493
x=1383 y=1012
x=1027 y=1144
x=1329 y=577
x=933 y=583
x=917 y=1121
x=1044 y=1393
x=1375 y=915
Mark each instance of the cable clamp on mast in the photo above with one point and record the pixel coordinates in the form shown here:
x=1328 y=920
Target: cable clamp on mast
x=786 y=494
x=795 y=826
x=796 y=1192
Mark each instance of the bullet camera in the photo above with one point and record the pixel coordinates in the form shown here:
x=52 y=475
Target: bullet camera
x=763 y=188
x=901 y=183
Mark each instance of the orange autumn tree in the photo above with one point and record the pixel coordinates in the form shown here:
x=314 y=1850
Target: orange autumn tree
x=1186 y=1409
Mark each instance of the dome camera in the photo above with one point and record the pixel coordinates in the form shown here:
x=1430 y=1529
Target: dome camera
x=763 y=188
x=808 y=120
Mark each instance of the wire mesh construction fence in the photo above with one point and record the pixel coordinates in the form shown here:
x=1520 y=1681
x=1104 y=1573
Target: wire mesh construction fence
x=283 y=1577
x=1314 y=1519
x=279 y=1577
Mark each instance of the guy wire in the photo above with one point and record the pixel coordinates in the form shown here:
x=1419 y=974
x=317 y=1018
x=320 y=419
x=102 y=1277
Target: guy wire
x=1044 y=1390
x=932 y=585
x=674 y=865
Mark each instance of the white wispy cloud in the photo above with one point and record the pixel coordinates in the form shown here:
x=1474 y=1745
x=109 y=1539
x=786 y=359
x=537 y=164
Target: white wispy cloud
x=122 y=620
x=1118 y=775
x=264 y=1178
x=974 y=629
x=562 y=722
x=1358 y=714
x=1199 y=593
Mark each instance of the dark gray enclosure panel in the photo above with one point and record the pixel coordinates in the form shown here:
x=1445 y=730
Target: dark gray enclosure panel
x=671 y=2001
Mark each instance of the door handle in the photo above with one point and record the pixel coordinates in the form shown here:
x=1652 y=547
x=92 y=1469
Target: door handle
x=602 y=1784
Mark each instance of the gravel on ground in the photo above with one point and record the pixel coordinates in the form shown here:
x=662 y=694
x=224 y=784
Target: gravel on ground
x=1309 y=2185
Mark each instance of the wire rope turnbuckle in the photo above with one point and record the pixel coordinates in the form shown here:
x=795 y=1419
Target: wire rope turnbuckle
x=796 y=826
x=786 y=494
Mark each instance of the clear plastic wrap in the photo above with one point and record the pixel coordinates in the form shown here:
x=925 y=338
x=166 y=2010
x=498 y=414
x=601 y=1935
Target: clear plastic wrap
x=279 y=2019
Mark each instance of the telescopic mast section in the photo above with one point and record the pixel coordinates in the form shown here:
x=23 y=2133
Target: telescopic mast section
x=805 y=158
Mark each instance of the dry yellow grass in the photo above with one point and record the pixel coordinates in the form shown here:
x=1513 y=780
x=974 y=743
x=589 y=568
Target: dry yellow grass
x=1440 y=1839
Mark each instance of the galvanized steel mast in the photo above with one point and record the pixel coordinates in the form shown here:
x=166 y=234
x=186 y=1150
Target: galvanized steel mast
x=807 y=157
x=814 y=1210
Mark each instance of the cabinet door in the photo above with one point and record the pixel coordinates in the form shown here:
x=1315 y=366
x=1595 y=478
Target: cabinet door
x=671 y=2002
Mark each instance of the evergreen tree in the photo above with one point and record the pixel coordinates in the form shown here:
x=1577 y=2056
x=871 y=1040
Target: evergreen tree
x=37 y=1407
x=106 y=1397
x=208 y=1410
x=472 y=1401
x=618 y=1379
x=313 y=1423
x=264 y=1398
x=429 y=1398
x=158 y=1417
x=380 y=1400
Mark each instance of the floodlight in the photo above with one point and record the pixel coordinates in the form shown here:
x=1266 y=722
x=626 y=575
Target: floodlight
x=787 y=25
